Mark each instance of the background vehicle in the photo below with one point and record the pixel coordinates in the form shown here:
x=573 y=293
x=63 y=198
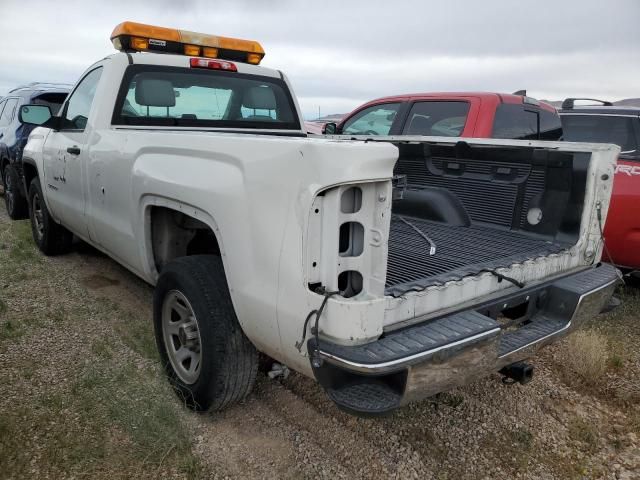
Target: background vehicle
x=477 y=115
x=621 y=126
x=384 y=269
x=316 y=126
x=14 y=135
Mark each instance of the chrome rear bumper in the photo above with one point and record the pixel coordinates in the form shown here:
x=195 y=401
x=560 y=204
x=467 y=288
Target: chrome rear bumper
x=425 y=359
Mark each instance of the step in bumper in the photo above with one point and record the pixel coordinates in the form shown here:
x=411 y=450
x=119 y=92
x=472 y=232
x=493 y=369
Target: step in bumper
x=424 y=359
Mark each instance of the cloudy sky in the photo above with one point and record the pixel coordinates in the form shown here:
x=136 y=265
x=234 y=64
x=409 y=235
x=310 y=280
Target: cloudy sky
x=339 y=54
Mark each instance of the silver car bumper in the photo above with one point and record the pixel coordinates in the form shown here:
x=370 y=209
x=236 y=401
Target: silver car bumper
x=425 y=359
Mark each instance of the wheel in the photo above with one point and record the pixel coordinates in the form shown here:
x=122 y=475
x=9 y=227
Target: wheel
x=50 y=237
x=16 y=204
x=208 y=359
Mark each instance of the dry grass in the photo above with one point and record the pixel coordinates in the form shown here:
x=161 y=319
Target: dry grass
x=82 y=393
x=583 y=432
x=587 y=355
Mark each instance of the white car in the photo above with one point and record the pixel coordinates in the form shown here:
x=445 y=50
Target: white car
x=388 y=270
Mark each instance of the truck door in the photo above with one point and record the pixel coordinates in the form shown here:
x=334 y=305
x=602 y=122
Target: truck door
x=65 y=157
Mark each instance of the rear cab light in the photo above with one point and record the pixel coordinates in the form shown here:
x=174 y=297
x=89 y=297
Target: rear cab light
x=213 y=64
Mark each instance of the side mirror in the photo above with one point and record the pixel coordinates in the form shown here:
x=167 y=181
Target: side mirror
x=34 y=114
x=39 y=115
x=330 y=128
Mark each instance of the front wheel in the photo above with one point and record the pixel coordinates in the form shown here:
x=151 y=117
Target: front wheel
x=207 y=357
x=50 y=237
x=14 y=201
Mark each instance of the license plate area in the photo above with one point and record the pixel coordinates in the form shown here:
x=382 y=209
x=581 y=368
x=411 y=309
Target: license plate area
x=517 y=310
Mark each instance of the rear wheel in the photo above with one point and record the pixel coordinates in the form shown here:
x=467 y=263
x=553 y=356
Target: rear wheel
x=207 y=357
x=50 y=237
x=16 y=204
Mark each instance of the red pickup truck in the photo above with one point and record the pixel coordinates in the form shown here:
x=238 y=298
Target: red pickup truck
x=479 y=115
x=619 y=125
x=516 y=116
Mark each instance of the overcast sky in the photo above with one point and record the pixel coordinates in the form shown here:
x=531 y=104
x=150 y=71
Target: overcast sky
x=339 y=54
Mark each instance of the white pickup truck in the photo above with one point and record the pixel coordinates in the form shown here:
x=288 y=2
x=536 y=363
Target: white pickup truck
x=389 y=270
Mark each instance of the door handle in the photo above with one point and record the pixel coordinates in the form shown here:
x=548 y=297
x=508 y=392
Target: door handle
x=73 y=150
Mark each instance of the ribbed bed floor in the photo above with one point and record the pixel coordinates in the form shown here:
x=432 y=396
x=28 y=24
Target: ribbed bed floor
x=460 y=251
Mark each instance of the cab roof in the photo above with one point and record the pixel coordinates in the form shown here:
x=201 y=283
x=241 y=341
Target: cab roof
x=603 y=110
x=502 y=97
x=164 y=59
x=39 y=87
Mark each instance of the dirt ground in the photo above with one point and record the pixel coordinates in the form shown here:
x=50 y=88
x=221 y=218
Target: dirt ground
x=82 y=396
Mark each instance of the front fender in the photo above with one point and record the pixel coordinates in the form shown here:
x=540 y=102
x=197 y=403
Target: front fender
x=32 y=155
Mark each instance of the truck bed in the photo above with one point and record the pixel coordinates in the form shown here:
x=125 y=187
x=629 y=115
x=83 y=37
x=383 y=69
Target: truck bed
x=460 y=251
x=482 y=208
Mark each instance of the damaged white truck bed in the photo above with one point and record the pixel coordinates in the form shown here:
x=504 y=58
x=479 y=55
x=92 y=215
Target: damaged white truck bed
x=387 y=270
x=493 y=253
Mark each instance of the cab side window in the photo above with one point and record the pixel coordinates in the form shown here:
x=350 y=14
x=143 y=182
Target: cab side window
x=437 y=118
x=2 y=105
x=76 y=111
x=7 y=112
x=550 y=126
x=376 y=120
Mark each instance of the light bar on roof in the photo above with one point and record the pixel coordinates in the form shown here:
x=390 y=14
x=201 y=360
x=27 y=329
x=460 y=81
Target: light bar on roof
x=129 y=36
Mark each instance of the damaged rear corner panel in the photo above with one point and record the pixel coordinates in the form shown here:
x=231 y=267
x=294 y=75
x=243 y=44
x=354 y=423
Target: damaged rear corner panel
x=347 y=240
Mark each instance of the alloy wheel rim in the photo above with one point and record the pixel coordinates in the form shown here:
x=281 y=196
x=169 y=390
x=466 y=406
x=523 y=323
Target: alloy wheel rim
x=181 y=335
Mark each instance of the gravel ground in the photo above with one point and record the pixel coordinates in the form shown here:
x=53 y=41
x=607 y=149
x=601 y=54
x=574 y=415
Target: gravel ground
x=82 y=395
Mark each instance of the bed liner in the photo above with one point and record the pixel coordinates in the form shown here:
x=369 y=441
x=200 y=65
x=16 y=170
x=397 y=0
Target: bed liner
x=460 y=251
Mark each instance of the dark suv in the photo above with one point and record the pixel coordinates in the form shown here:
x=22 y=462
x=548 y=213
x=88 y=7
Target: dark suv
x=14 y=134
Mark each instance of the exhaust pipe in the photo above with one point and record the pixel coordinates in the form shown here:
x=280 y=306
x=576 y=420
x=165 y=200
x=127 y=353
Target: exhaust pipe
x=520 y=372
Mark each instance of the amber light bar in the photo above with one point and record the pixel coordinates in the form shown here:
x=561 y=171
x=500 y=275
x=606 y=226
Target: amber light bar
x=129 y=36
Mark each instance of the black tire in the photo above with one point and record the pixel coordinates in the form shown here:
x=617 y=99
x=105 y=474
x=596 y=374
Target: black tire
x=50 y=237
x=14 y=201
x=229 y=361
x=632 y=279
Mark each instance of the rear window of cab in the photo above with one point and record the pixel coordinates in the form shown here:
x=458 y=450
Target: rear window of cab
x=175 y=96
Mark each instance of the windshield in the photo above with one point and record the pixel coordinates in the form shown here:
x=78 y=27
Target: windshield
x=170 y=96
x=600 y=129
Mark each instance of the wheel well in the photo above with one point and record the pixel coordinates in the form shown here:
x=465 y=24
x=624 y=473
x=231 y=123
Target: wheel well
x=175 y=234
x=29 y=171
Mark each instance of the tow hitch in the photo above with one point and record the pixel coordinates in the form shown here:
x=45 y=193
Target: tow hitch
x=520 y=372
